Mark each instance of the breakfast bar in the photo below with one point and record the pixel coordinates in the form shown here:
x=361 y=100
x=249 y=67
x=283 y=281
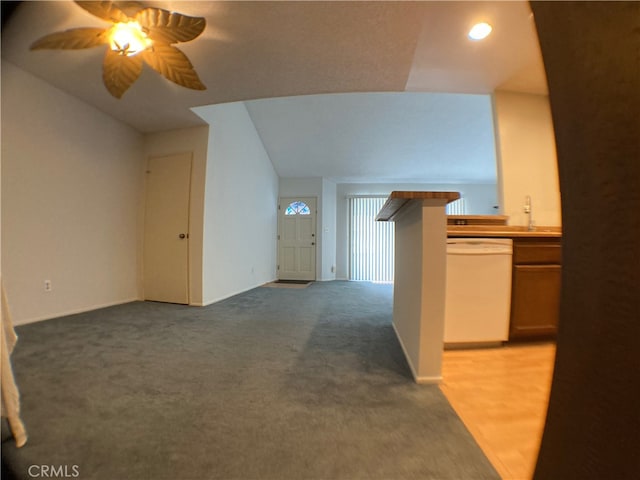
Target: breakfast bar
x=420 y=275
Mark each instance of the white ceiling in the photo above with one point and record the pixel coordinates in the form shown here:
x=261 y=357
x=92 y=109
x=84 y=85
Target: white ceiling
x=261 y=50
x=389 y=137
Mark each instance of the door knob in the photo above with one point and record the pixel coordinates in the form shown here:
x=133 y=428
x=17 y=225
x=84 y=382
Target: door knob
x=313 y=243
x=182 y=235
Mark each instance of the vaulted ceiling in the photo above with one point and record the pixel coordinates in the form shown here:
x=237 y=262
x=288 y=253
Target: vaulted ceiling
x=253 y=51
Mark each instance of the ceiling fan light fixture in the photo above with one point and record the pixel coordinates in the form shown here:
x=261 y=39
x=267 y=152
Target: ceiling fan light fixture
x=136 y=36
x=480 y=31
x=128 y=39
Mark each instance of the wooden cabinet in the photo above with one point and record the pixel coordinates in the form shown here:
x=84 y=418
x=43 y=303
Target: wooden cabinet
x=535 y=290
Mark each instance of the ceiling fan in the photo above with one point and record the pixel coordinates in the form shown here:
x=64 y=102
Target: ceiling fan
x=137 y=35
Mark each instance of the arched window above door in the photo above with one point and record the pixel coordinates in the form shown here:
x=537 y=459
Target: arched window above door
x=297 y=208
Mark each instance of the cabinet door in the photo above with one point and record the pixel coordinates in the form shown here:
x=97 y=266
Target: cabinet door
x=535 y=301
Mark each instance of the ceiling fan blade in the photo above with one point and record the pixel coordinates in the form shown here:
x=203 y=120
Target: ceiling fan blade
x=170 y=27
x=130 y=9
x=174 y=65
x=73 y=39
x=120 y=71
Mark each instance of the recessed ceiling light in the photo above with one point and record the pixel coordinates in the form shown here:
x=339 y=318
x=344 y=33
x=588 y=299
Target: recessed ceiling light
x=480 y=31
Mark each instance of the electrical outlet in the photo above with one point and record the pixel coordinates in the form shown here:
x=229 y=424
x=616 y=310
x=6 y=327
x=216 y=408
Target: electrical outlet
x=47 y=285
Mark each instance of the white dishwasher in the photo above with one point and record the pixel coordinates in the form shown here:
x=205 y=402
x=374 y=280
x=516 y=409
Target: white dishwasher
x=478 y=290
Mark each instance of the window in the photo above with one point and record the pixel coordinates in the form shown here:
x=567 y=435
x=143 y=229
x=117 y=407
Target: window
x=297 y=208
x=457 y=207
x=371 y=249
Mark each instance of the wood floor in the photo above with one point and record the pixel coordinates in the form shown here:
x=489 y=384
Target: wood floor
x=501 y=395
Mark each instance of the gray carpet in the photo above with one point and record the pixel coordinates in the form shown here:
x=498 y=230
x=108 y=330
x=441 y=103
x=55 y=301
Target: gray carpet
x=270 y=384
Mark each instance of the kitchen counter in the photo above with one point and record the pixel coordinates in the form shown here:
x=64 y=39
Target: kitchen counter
x=502 y=231
x=535 y=271
x=420 y=277
x=399 y=200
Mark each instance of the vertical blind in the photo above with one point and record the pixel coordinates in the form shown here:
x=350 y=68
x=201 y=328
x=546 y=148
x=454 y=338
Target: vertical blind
x=371 y=250
x=457 y=207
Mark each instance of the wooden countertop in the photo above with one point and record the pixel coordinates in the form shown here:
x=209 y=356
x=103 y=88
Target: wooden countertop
x=477 y=220
x=398 y=199
x=505 y=231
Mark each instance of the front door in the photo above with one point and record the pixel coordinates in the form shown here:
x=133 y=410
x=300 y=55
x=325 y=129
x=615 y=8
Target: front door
x=297 y=239
x=166 y=229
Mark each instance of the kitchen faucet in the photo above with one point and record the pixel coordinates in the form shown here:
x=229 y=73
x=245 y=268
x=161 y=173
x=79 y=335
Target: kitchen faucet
x=527 y=210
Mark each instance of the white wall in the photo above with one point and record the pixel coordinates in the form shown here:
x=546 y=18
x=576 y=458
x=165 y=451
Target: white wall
x=419 y=286
x=480 y=201
x=303 y=187
x=71 y=194
x=240 y=207
x=527 y=162
x=194 y=140
x=328 y=234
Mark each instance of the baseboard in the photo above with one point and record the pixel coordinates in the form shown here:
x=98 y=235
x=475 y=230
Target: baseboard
x=224 y=297
x=472 y=345
x=404 y=350
x=418 y=379
x=429 y=380
x=75 y=311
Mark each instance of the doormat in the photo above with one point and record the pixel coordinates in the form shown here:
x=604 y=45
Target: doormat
x=288 y=284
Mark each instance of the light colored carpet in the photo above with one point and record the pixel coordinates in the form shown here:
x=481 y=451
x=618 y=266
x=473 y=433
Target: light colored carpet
x=270 y=384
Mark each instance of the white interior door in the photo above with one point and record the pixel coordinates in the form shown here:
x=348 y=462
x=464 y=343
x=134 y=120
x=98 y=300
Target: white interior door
x=297 y=238
x=166 y=229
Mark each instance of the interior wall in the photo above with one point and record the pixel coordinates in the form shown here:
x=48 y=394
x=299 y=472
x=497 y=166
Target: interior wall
x=240 y=206
x=480 y=199
x=71 y=193
x=527 y=160
x=328 y=234
x=407 y=292
x=304 y=187
x=193 y=140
